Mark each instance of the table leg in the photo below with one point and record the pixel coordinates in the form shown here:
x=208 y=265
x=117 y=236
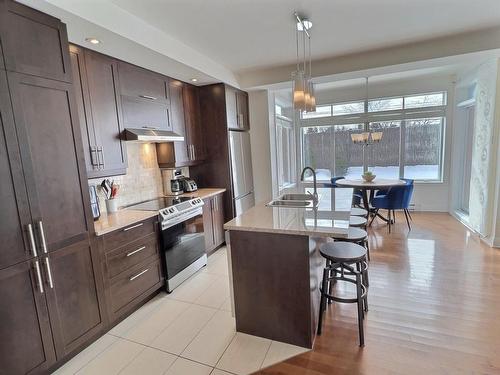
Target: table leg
x=366 y=202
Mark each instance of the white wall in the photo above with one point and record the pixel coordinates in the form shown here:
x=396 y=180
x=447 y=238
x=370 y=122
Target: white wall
x=260 y=112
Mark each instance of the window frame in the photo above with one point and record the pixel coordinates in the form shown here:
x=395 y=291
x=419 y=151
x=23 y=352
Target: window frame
x=402 y=115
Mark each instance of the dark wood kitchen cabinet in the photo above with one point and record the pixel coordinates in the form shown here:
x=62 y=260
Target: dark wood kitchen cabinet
x=15 y=215
x=182 y=150
x=193 y=123
x=145 y=98
x=213 y=222
x=26 y=339
x=237 y=109
x=51 y=288
x=131 y=266
x=143 y=84
x=185 y=111
x=104 y=101
x=56 y=183
x=33 y=42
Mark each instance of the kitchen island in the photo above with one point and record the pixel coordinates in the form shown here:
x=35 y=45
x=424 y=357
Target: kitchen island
x=275 y=269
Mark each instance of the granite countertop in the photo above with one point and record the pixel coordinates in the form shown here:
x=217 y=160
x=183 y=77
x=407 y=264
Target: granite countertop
x=124 y=217
x=120 y=219
x=295 y=221
x=204 y=193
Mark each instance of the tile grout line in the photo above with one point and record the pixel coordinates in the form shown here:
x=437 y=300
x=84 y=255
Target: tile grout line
x=90 y=360
x=265 y=355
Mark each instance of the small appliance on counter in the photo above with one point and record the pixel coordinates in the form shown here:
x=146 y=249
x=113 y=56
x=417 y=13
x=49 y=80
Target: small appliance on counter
x=176 y=181
x=172 y=181
x=94 y=202
x=188 y=185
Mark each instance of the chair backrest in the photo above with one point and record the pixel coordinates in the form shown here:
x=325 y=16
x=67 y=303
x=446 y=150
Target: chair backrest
x=335 y=179
x=399 y=197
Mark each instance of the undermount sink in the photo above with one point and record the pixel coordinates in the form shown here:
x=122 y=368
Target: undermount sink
x=290 y=203
x=296 y=197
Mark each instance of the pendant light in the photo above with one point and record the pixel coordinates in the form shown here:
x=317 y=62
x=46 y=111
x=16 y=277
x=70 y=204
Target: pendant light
x=367 y=137
x=303 y=90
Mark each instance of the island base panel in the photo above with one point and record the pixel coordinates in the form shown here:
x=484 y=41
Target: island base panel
x=275 y=281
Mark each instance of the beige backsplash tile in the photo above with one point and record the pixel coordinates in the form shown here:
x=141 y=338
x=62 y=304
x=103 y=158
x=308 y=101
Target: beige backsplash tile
x=143 y=178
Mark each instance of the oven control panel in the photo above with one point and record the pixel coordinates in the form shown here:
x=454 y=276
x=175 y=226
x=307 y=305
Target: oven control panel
x=180 y=208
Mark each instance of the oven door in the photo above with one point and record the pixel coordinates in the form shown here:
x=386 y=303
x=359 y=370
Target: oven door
x=183 y=242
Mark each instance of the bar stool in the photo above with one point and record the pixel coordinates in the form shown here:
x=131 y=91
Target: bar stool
x=356 y=235
x=341 y=257
x=358 y=222
x=356 y=211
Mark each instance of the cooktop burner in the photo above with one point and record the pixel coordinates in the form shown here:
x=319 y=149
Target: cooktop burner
x=159 y=203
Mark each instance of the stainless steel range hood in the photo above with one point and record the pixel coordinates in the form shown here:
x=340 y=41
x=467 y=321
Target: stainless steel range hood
x=152 y=135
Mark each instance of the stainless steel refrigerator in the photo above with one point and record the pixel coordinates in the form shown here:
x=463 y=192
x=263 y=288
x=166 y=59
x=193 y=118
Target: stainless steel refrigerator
x=241 y=170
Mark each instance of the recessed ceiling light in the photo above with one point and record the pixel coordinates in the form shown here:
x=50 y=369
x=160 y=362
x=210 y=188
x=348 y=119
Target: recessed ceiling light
x=93 y=40
x=194 y=80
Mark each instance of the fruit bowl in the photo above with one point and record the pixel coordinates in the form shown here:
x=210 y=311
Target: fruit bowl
x=368 y=177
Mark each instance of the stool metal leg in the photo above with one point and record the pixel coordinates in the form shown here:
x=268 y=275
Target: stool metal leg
x=359 y=291
x=322 y=304
x=367 y=247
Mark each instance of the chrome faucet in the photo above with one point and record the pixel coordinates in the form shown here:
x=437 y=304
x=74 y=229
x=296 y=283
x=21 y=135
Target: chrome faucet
x=315 y=194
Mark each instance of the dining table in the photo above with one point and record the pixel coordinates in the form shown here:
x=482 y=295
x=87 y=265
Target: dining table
x=372 y=186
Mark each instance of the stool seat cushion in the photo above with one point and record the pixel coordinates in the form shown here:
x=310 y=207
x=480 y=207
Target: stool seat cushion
x=356 y=211
x=353 y=234
x=342 y=252
x=357 y=221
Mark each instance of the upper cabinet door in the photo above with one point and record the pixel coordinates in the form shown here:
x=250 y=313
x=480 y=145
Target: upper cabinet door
x=52 y=158
x=102 y=77
x=82 y=97
x=231 y=108
x=242 y=110
x=26 y=346
x=143 y=84
x=183 y=150
x=33 y=42
x=194 y=130
x=14 y=213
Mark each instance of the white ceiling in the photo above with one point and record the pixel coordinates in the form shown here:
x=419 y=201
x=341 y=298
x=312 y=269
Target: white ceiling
x=249 y=34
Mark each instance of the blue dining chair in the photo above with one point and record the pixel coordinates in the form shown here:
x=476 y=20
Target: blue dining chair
x=394 y=198
x=335 y=179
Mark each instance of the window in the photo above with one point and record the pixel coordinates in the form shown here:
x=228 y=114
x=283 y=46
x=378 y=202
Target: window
x=411 y=146
x=321 y=111
x=285 y=149
x=348 y=108
x=388 y=104
x=423 y=148
x=383 y=157
x=427 y=100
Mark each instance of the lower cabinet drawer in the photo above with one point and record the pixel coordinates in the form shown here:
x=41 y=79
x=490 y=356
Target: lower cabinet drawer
x=131 y=284
x=131 y=254
x=130 y=233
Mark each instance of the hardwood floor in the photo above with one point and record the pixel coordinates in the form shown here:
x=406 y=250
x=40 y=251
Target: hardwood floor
x=434 y=302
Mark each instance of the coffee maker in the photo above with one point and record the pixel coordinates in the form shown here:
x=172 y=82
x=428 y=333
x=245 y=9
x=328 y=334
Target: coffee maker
x=172 y=181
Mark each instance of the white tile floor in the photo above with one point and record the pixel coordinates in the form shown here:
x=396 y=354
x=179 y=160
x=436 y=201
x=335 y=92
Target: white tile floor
x=188 y=332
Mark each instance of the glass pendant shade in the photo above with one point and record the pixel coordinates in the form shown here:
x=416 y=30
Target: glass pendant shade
x=299 y=95
x=377 y=136
x=313 y=98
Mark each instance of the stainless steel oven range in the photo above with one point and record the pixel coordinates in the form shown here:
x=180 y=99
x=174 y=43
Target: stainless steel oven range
x=182 y=237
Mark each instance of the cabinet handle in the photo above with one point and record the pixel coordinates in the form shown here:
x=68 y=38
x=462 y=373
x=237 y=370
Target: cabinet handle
x=194 y=152
x=136 y=251
x=133 y=226
x=139 y=274
x=100 y=157
x=49 y=272
x=39 y=276
x=148 y=97
x=32 y=240
x=42 y=237
x=150 y=127
x=93 y=157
